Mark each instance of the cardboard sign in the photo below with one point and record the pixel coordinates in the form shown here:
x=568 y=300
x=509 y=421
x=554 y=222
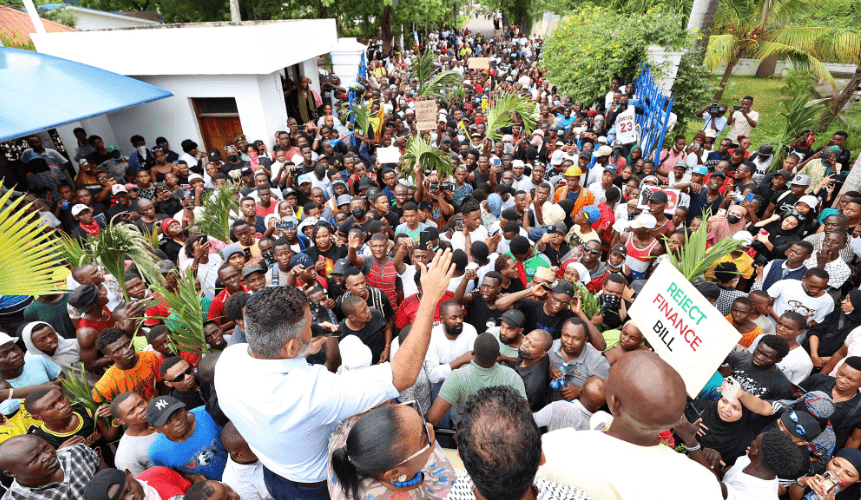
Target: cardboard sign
x=478 y=63
x=672 y=198
x=426 y=115
x=683 y=328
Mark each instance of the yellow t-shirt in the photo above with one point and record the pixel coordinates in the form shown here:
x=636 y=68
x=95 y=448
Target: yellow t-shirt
x=17 y=424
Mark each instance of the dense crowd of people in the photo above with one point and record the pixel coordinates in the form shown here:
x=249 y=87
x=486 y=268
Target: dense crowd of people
x=364 y=319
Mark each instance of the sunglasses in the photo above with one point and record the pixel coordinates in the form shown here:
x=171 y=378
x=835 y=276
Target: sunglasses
x=188 y=371
x=798 y=428
x=430 y=442
x=592 y=251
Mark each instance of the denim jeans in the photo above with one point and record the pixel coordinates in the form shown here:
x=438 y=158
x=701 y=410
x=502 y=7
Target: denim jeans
x=284 y=489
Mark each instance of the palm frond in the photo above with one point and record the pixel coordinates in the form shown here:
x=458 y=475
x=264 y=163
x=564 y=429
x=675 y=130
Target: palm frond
x=185 y=323
x=722 y=48
x=78 y=388
x=588 y=303
x=74 y=251
x=799 y=56
x=420 y=150
x=151 y=236
x=360 y=114
x=499 y=114
x=116 y=242
x=799 y=116
x=694 y=259
x=27 y=254
x=217 y=206
x=437 y=86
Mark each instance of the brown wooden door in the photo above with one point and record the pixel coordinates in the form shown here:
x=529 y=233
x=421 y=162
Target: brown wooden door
x=219 y=131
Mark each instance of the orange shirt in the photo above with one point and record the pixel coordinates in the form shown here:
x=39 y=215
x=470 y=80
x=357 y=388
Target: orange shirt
x=140 y=379
x=747 y=338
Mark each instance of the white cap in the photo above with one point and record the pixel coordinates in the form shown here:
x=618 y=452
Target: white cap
x=647 y=221
x=518 y=163
x=6 y=338
x=118 y=188
x=602 y=140
x=355 y=355
x=744 y=237
x=557 y=158
x=603 y=151
x=584 y=276
x=80 y=207
x=810 y=200
x=192 y=177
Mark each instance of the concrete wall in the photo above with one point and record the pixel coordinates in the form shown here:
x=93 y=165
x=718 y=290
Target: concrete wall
x=88 y=20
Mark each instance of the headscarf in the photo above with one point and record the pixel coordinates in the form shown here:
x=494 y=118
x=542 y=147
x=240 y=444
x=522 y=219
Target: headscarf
x=637 y=147
x=67 y=355
x=832 y=149
x=494 y=203
x=827 y=213
x=723 y=229
x=730 y=439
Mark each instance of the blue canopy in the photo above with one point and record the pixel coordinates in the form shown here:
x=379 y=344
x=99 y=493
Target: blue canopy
x=39 y=92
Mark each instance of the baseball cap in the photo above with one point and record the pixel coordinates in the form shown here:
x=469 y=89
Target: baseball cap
x=445 y=138
x=766 y=150
x=711 y=133
x=699 y=169
x=718 y=173
x=800 y=180
x=783 y=173
x=253 y=268
x=602 y=140
x=161 y=408
x=192 y=177
x=562 y=286
x=561 y=228
x=610 y=168
x=801 y=424
x=84 y=298
x=513 y=318
x=98 y=487
x=647 y=221
x=80 y=207
x=118 y=188
x=619 y=249
x=344 y=199
x=810 y=200
x=341 y=267
x=303 y=179
x=659 y=197
x=603 y=151
x=6 y=338
x=246 y=170
x=681 y=163
x=214 y=154
x=557 y=157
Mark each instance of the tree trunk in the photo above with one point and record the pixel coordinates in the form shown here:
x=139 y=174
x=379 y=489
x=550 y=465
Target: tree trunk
x=386 y=30
x=839 y=101
x=235 y=16
x=766 y=67
x=702 y=18
x=726 y=74
x=853 y=180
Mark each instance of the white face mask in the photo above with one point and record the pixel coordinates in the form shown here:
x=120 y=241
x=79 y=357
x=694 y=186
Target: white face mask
x=142 y=151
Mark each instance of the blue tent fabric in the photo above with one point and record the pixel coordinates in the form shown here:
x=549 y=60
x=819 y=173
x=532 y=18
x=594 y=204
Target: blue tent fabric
x=39 y=92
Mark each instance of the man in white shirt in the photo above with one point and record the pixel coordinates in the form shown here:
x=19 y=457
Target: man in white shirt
x=451 y=342
x=614 y=86
x=472 y=227
x=806 y=297
x=286 y=408
x=796 y=365
x=742 y=121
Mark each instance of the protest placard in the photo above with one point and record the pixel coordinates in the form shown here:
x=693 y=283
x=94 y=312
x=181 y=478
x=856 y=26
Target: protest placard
x=479 y=63
x=672 y=198
x=683 y=328
x=426 y=115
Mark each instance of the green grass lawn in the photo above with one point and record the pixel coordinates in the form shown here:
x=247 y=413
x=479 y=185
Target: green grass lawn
x=767 y=97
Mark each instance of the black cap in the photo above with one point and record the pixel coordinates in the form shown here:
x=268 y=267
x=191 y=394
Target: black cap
x=84 y=298
x=102 y=482
x=513 y=318
x=253 y=268
x=214 y=154
x=659 y=197
x=161 y=408
x=619 y=249
x=718 y=173
x=563 y=286
x=783 y=173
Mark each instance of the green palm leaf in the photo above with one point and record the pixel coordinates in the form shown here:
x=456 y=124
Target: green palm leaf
x=799 y=116
x=361 y=114
x=78 y=388
x=217 y=206
x=420 y=150
x=74 y=251
x=799 y=56
x=119 y=241
x=722 y=48
x=694 y=259
x=438 y=86
x=501 y=110
x=185 y=323
x=27 y=253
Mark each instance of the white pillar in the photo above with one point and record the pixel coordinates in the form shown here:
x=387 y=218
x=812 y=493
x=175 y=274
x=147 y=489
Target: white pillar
x=34 y=16
x=346 y=56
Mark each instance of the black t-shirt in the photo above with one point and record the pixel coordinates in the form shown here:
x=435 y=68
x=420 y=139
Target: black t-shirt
x=228 y=167
x=393 y=219
x=846 y=416
x=783 y=201
x=331 y=255
x=537 y=319
x=771 y=384
x=514 y=286
x=193 y=399
x=535 y=379
x=478 y=313
x=116 y=209
x=555 y=256
x=366 y=226
x=371 y=334
x=87 y=430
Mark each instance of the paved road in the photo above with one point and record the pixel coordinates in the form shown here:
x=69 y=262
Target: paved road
x=481 y=24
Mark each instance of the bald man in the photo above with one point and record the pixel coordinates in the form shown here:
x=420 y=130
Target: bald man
x=533 y=366
x=41 y=472
x=646 y=397
x=575 y=414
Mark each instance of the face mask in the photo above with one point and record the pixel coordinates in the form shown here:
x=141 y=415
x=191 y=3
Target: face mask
x=518 y=177
x=232 y=158
x=523 y=354
x=141 y=150
x=610 y=301
x=507 y=148
x=633 y=215
x=733 y=219
x=556 y=103
x=454 y=331
x=358 y=213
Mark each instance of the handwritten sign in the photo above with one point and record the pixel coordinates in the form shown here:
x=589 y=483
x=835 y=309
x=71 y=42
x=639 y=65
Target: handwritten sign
x=479 y=63
x=683 y=328
x=426 y=115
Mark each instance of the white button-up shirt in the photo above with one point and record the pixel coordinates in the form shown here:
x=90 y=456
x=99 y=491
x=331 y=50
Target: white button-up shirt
x=443 y=351
x=286 y=409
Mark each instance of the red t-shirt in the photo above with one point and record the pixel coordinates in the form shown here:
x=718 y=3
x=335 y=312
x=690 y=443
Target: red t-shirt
x=408 y=308
x=166 y=481
x=216 y=308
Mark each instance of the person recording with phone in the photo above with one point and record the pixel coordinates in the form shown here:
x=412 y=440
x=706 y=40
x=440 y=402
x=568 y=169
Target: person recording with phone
x=742 y=120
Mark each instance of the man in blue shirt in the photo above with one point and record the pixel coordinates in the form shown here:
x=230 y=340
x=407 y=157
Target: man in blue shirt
x=190 y=441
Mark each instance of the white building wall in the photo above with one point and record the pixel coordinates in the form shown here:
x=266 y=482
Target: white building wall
x=98 y=21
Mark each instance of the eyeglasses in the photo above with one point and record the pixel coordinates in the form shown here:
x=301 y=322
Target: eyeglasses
x=798 y=428
x=188 y=371
x=430 y=442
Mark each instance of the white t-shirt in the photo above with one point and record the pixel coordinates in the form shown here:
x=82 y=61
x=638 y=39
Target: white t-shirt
x=598 y=192
x=613 y=469
x=740 y=125
x=742 y=486
x=443 y=351
x=790 y=296
x=458 y=242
